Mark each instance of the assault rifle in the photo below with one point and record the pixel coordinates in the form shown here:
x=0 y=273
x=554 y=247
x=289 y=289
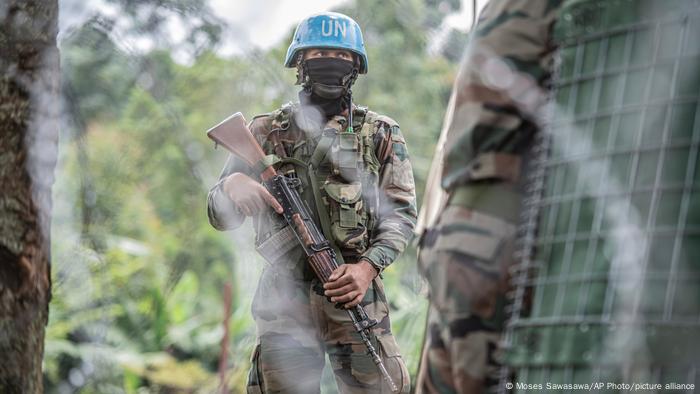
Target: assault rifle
x=233 y=134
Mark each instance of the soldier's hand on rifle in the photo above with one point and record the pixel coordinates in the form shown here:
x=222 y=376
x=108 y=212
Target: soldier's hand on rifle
x=349 y=283
x=249 y=196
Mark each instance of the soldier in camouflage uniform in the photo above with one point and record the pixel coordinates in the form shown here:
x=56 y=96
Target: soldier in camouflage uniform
x=359 y=183
x=468 y=244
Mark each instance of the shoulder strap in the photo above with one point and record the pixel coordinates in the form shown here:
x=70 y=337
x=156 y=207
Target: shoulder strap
x=367 y=132
x=358 y=117
x=281 y=117
x=267 y=161
x=369 y=119
x=322 y=148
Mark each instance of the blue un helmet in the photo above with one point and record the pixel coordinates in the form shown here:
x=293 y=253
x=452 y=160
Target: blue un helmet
x=328 y=30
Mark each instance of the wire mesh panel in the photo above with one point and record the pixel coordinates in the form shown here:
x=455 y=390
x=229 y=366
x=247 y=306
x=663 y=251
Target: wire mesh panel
x=608 y=284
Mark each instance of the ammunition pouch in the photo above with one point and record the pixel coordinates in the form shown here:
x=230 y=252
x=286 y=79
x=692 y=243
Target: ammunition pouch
x=347 y=215
x=346 y=156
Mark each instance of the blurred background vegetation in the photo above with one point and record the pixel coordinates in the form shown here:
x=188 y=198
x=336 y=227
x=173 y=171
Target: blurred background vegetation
x=138 y=273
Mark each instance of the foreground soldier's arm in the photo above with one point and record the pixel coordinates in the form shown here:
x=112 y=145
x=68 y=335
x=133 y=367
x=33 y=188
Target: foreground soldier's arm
x=499 y=88
x=396 y=219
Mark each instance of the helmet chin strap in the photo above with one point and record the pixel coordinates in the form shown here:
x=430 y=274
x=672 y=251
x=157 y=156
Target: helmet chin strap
x=301 y=69
x=350 y=111
x=350 y=79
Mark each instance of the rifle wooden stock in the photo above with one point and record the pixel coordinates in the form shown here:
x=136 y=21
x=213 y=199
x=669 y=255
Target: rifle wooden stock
x=233 y=134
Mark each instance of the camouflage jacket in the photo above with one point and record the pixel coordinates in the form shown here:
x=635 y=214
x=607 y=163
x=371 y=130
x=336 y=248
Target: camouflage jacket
x=381 y=201
x=499 y=90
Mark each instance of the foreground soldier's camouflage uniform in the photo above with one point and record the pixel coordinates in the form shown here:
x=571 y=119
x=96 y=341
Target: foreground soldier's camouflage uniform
x=468 y=247
x=295 y=322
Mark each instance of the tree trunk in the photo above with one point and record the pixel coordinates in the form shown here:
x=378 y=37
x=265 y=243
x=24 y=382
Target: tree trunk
x=29 y=74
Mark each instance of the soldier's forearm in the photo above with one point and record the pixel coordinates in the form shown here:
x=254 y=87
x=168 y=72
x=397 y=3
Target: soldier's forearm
x=394 y=229
x=222 y=212
x=380 y=256
x=389 y=242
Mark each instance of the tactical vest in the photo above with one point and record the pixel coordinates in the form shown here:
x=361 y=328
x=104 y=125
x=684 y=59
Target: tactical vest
x=617 y=289
x=338 y=169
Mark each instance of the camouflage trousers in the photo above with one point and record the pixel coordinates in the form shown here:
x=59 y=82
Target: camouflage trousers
x=465 y=260
x=297 y=326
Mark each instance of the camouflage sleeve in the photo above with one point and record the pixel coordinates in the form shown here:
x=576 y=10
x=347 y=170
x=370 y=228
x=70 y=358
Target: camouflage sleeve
x=396 y=218
x=500 y=86
x=223 y=213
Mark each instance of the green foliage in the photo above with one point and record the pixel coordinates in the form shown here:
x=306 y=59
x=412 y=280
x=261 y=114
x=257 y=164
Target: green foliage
x=138 y=271
x=93 y=73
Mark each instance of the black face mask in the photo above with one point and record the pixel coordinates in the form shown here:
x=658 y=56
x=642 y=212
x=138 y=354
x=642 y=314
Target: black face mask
x=329 y=80
x=329 y=77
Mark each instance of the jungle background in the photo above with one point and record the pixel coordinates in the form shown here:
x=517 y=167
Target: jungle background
x=138 y=273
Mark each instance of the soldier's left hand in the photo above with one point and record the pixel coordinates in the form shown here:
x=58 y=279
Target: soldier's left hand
x=349 y=283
